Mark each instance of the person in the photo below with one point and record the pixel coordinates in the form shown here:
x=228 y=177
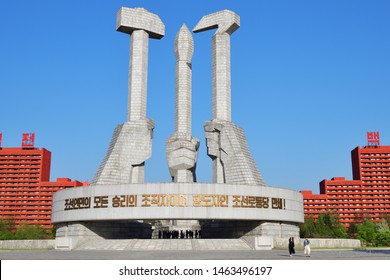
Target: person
x=306 y=244
x=291 y=246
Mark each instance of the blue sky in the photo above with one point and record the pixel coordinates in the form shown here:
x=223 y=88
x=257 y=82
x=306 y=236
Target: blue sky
x=309 y=79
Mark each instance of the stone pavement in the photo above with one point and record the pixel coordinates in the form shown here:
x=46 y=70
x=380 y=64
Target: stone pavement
x=166 y=244
x=185 y=249
x=383 y=254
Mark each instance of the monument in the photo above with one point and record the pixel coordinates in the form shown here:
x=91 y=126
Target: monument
x=182 y=148
x=226 y=143
x=119 y=204
x=131 y=143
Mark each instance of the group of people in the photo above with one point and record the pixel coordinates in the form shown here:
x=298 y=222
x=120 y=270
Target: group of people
x=291 y=247
x=175 y=234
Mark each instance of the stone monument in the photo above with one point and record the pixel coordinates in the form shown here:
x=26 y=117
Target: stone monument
x=119 y=204
x=131 y=143
x=182 y=148
x=226 y=143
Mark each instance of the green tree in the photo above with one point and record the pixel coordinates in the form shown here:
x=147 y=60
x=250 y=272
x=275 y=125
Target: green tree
x=52 y=233
x=328 y=225
x=367 y=233
x=308 y=228
x=30 y=232
x=7 y=227
x=352 y=229
x=383 y=236
x=386 y=217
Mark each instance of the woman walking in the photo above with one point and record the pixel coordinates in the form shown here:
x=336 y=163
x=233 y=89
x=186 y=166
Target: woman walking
x=291 y=246
x=306 y=244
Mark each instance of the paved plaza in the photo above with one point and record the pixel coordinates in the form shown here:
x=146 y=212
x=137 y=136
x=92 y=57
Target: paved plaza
x=183 y=249
x=377 y=254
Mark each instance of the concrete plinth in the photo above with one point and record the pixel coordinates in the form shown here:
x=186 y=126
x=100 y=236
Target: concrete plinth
x=240 y=229
x=71 y=235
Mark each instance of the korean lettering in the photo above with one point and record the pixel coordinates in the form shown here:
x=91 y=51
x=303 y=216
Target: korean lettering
x=100 y=201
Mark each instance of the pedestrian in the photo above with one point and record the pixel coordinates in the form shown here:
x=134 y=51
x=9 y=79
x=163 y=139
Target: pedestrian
x=306 y=244
x=291 y=246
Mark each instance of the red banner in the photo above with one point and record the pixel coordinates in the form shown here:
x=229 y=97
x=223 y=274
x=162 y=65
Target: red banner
x=373 y=139
x=28 y=140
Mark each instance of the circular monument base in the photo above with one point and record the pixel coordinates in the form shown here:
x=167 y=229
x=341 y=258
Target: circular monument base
x=136 y=210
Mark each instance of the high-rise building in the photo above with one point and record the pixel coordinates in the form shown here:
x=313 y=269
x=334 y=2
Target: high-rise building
x=367 y=196
x=25 y=188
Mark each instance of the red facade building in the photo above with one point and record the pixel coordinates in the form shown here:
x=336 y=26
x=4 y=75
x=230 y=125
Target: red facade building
x=25 y=188
x=367 y=196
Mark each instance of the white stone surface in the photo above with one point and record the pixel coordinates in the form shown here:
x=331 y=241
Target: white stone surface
x=141 y=25
x=138 y=76
x=292 y=210
x=232 y=161
x=226 y=23
x=130 y=147
x=226 y=143
x=131 y=143
x=319 y=242
x=130 y=19
x=181 y=147
x=184 y=50
x=27 y=244
x=264 y=243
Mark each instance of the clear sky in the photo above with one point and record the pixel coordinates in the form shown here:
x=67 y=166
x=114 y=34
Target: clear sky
x=309 y=79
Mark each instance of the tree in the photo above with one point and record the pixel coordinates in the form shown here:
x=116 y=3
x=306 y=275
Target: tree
x=386 y=218
x=383 y=236
x=7 y=226
x=9 y=231
x=324 y=225
x=352 y=229
x=367 y=233
x=308 y=228
x=30 y=232
x=328 y=225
